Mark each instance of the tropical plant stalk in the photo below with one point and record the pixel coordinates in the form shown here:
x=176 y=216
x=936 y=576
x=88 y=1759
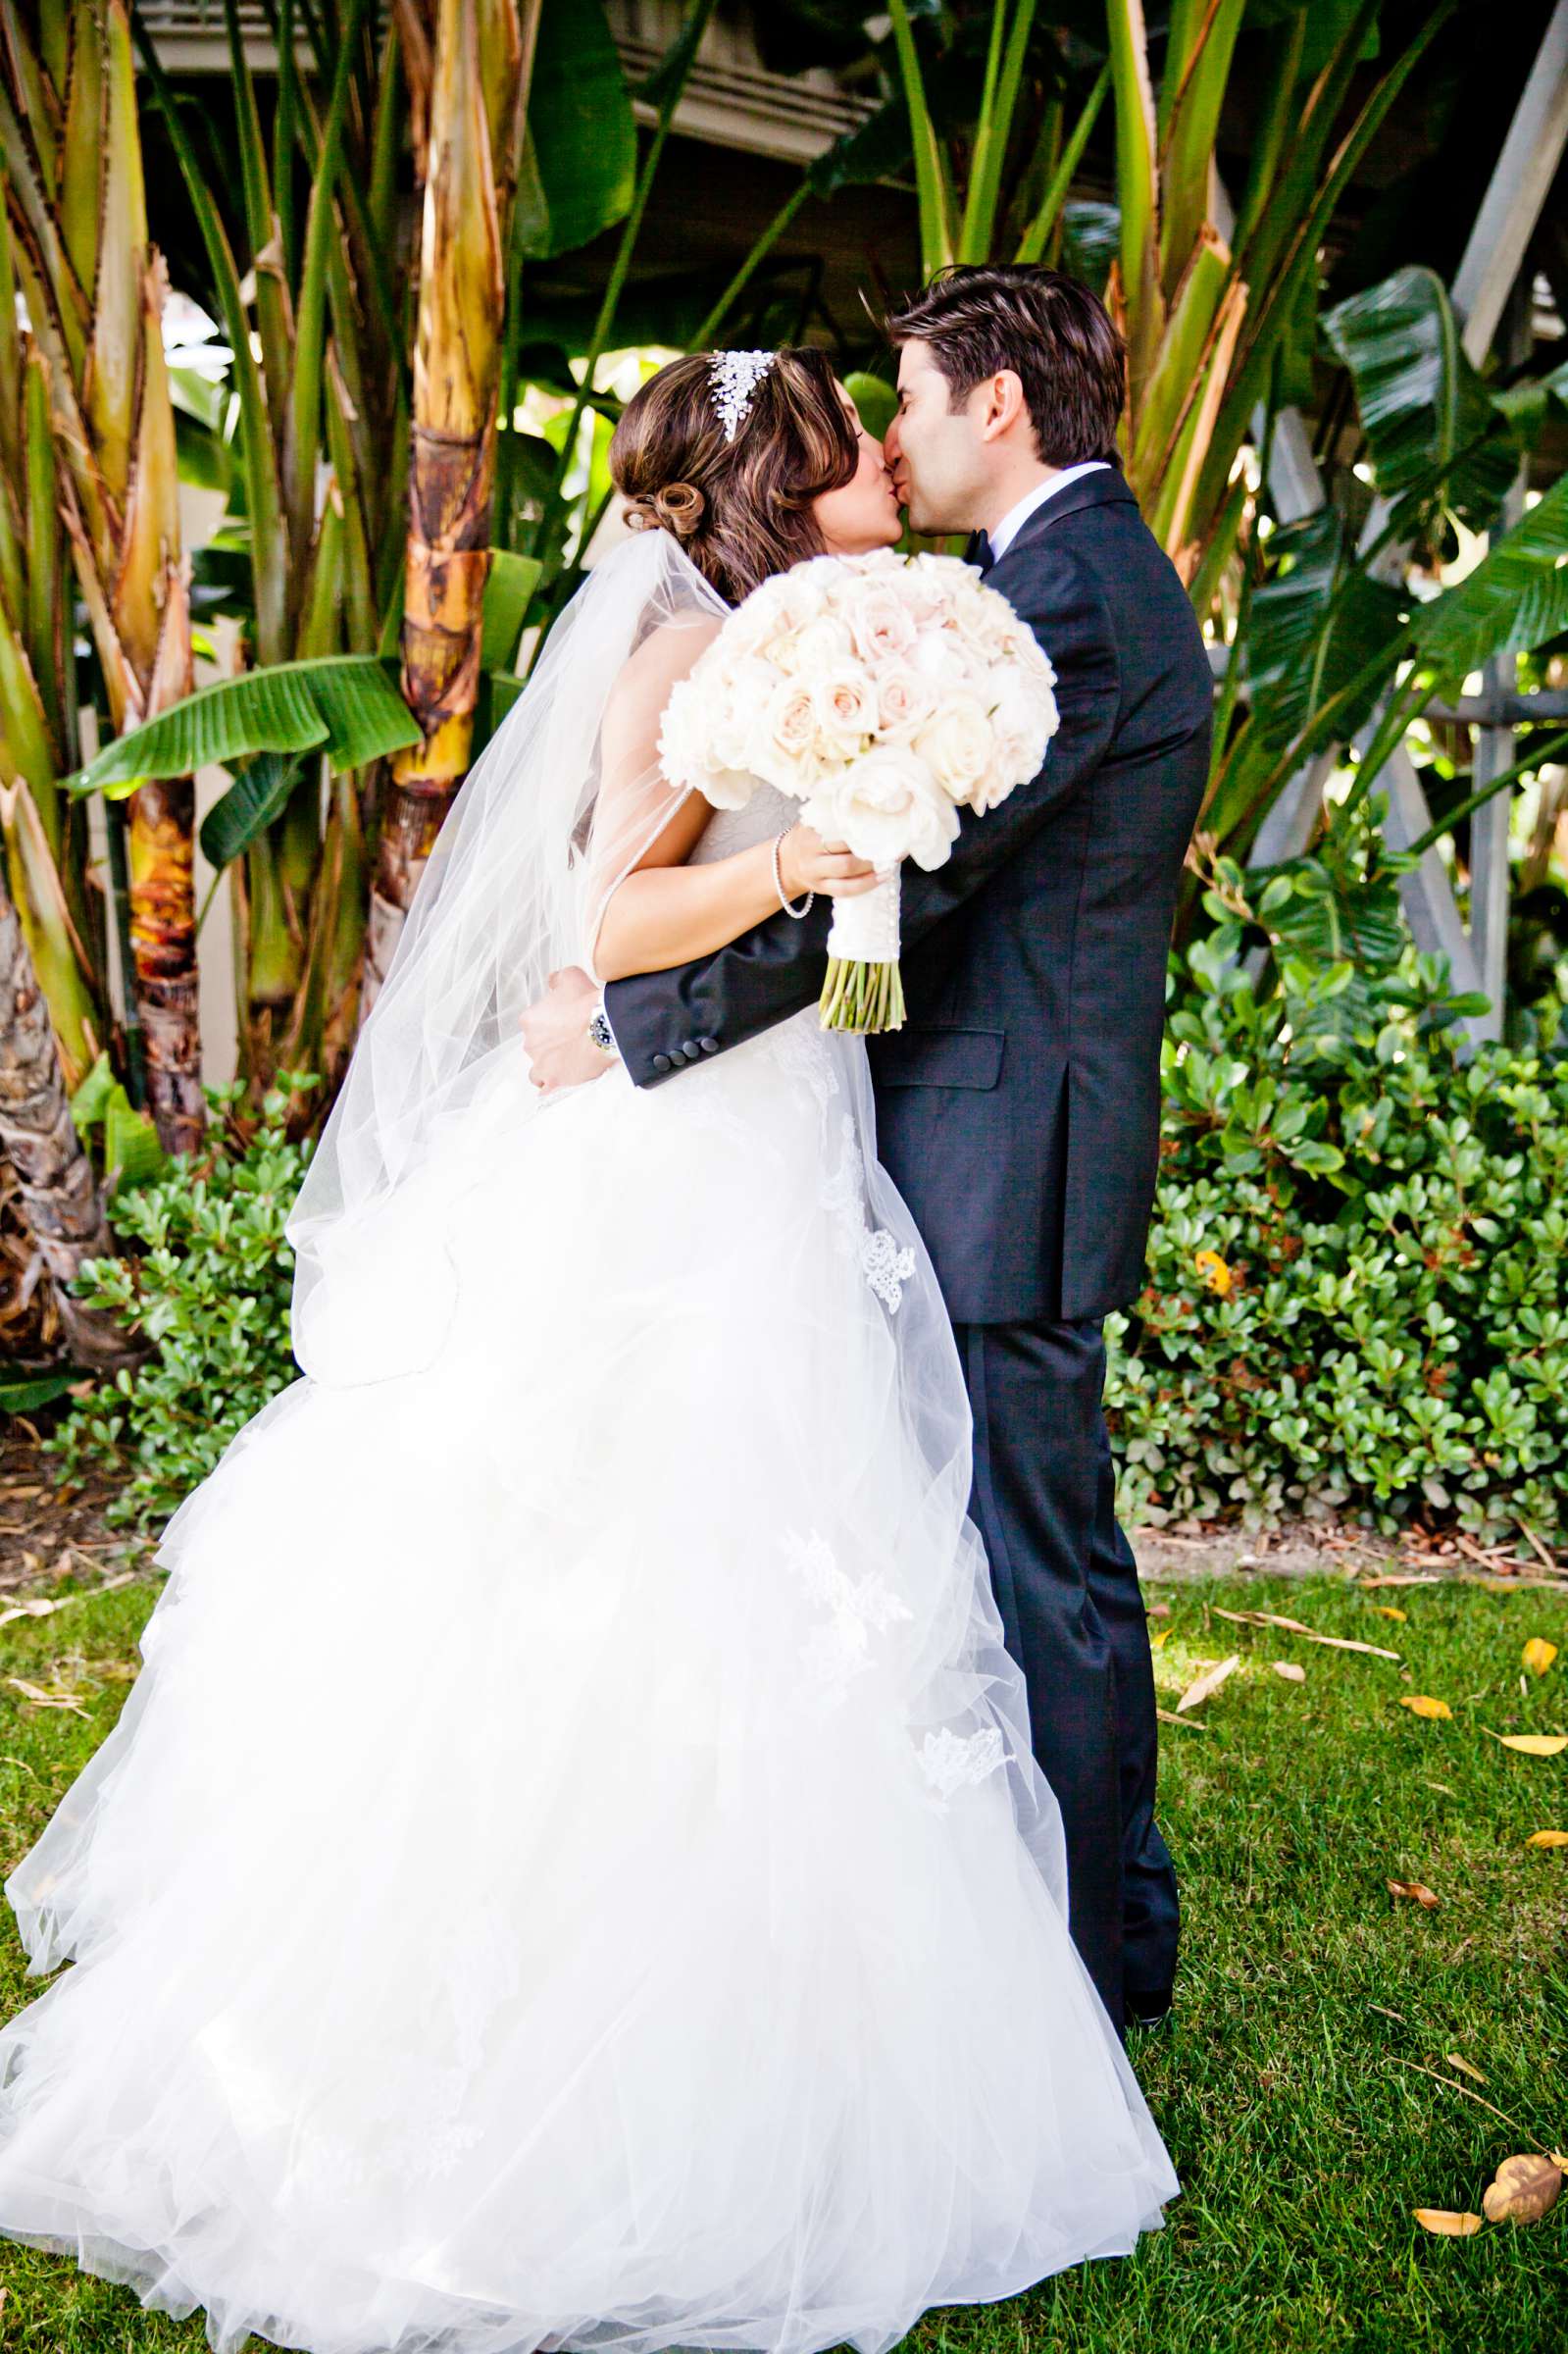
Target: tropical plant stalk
x=479 y=97
x=59 y=1192
x=94 y=289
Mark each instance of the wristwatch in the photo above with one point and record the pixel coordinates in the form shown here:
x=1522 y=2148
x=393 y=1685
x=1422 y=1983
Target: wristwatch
x=600 y=1032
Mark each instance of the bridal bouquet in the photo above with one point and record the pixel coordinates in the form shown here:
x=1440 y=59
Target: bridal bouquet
x=884 y=693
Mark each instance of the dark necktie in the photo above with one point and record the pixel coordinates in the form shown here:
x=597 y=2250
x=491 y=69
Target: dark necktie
x=983 y=554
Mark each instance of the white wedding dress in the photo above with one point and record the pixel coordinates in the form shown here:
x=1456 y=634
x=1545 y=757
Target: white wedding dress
x=570 y=1871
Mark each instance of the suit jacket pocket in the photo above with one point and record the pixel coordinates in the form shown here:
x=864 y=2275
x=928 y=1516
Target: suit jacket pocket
x=934 y=1058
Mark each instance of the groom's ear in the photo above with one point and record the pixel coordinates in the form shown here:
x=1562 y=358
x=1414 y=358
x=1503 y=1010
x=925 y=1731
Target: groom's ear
x=999 y=403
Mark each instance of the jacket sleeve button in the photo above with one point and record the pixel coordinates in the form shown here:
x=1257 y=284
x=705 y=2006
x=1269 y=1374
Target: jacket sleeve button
x=708 y=1046
x=661 y=1062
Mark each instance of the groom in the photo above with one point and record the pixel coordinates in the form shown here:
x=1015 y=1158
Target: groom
x=1018 y=1111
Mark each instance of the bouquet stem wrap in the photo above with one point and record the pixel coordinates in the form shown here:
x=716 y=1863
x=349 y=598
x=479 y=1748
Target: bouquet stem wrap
x=863 y=990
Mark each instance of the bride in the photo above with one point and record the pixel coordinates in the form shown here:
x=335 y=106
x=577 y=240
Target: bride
x=570 y=1870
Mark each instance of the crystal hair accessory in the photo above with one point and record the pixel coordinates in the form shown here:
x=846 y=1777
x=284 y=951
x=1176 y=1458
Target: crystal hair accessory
x=735 y=376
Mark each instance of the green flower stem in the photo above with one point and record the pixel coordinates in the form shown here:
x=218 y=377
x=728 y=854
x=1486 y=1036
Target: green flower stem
x=861 y=996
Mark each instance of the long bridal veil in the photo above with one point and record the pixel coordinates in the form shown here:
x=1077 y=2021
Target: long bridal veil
x=541 y=830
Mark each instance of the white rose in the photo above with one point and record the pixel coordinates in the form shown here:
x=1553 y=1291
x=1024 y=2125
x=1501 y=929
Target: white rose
x=938 y=657
x=1024 y=719
x=683 y=735
x=739 y=692
x=886 y=805
x=984 y=621
x=824 y=644
x=845 y=702
x=957 y=744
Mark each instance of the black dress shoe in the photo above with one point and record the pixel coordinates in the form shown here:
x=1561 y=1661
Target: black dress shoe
x=1149 y=2008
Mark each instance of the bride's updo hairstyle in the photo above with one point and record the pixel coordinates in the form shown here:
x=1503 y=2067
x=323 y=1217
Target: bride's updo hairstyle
x=742 y=509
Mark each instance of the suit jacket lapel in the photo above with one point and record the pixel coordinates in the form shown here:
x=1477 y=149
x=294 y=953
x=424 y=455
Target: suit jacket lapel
x=1100 y=489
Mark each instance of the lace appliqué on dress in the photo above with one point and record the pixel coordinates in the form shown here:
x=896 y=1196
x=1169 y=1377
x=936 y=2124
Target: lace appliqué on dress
x=856 y=1608
x=804 y=1054
x=953 y=1761
x=884 y=1263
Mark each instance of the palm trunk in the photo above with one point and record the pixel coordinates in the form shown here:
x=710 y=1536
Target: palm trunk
x=94 y=289
x=482 y=57
x=55 y=1186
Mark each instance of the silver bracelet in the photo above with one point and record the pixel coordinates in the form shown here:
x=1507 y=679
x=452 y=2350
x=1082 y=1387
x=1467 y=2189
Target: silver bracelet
x=799 y=913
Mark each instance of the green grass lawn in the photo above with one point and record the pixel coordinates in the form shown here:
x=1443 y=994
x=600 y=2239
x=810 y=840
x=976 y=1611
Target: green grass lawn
x=1290 y=2088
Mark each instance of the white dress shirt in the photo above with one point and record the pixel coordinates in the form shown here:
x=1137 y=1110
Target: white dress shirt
x=1013 y=522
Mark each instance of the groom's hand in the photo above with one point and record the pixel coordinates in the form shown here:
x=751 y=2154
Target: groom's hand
x=555 y=1032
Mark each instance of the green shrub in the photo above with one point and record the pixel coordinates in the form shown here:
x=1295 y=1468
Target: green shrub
x=207 y=1285
x=1356 y=1298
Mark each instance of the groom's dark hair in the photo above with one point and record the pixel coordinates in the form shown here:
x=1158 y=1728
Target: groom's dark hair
x=1057 y=337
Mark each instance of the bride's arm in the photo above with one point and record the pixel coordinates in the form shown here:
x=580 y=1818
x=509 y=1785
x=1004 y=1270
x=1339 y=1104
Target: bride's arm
x=664 y=912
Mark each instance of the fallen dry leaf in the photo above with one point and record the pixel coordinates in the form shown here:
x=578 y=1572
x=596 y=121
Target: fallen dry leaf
x=1538 y=1655
x=1547 y=1839
x=1158 y=1609
x=1521 y=2191
x=1192 y=1724
x=1262 y=1618
x=1386 y=1610
x=46 y=1700
x=1204 y=1686
x=1446 y=2222
x=1294 y=1627
x=1422 y=1704
x=1532 y=1745
x=1463 y=2065
x=1291 y=1674
x=1418 y=1889
x=1159 y=1641
x=1402 y=1577
x=37 y=1606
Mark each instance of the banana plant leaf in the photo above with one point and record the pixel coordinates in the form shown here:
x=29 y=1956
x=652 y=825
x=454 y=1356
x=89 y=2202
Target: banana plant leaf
x=258 y=795
x=583 y=138
x=347 y=705
x=1515 y=600
x=132 y=1149
x=1314 y=624
x=1437 y=439
x=1527 y=406
x=511 y=584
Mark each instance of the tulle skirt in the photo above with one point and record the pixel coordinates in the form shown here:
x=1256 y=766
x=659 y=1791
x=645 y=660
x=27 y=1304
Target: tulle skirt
x=570 y=1870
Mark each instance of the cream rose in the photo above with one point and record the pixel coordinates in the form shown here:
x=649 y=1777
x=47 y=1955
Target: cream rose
x=844 y=699
x=957 y=744
x=903 y=701
x=781 y=746
x=886 y=805
x=883 y=627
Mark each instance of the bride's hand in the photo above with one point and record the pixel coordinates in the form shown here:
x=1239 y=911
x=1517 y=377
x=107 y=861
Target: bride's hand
x=555 y=1033
x=808 y=863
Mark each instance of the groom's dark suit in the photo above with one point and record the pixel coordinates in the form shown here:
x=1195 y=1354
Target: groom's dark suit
x=1018 y=1112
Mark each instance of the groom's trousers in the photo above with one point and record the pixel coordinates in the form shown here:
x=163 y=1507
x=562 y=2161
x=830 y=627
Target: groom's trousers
x=1067 y=1588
